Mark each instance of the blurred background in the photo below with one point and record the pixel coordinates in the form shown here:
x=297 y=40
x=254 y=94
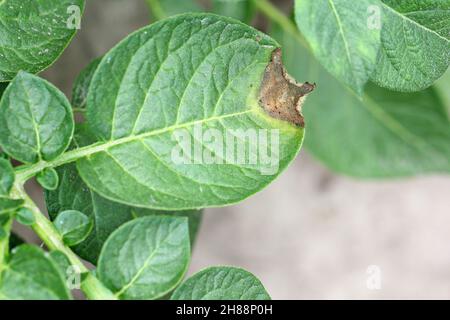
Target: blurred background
x=311 y=234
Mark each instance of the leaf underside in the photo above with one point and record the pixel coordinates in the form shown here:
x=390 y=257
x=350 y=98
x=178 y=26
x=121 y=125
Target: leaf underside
x=386 y=134
x=338 y=33
x=415 y=44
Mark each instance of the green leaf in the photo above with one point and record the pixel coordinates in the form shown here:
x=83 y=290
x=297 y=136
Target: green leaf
x=340 y=38
x=61 y=260
x=36 y=121
x=81 y=86
x=221 y=283
x=31 y=275
x=48 y=179
x=415 y=44
x=74 y=226
x=386 y=134
x=145 y=258
x=7 y=204
x=6 y=177
x=34 y=33
x=144 y=94
x=243 y=10
x=25 y=216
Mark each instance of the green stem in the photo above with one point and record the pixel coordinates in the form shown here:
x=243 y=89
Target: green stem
x=273 y=13
x=91 y=286
x=156 y=9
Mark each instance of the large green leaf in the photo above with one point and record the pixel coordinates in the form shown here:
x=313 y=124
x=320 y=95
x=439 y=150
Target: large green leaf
x=34 y=33
x=415 y=49
x=339 y=36
x=31 y=275
x=36 y=121
x=221 y=283
x=387 y=134
x=183 y=75
x=145 y=258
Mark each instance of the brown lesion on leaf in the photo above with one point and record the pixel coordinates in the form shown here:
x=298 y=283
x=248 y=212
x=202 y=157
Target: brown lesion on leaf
x=280 y=95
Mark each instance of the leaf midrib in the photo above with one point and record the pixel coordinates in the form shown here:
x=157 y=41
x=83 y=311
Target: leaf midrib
x=341 y=32
x=25 y=172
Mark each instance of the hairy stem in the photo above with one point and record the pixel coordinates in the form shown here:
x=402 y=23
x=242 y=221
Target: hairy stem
x=91 y=286
x=274 y=14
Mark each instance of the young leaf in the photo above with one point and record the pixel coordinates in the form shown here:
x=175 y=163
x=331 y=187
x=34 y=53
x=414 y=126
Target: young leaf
x=34 y=33
x=415 y=44
x=221 y=283
x=36 y=121
x=145 y=258
x=25 y=216
x=82 y=83
x=74 y=226
x=387 y=134
x=144 y=92
x=340 y=37
x=6 y=177
x=31 y=275
x=48 y=179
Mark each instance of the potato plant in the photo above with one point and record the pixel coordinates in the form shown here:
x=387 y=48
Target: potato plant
x=126 y=185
